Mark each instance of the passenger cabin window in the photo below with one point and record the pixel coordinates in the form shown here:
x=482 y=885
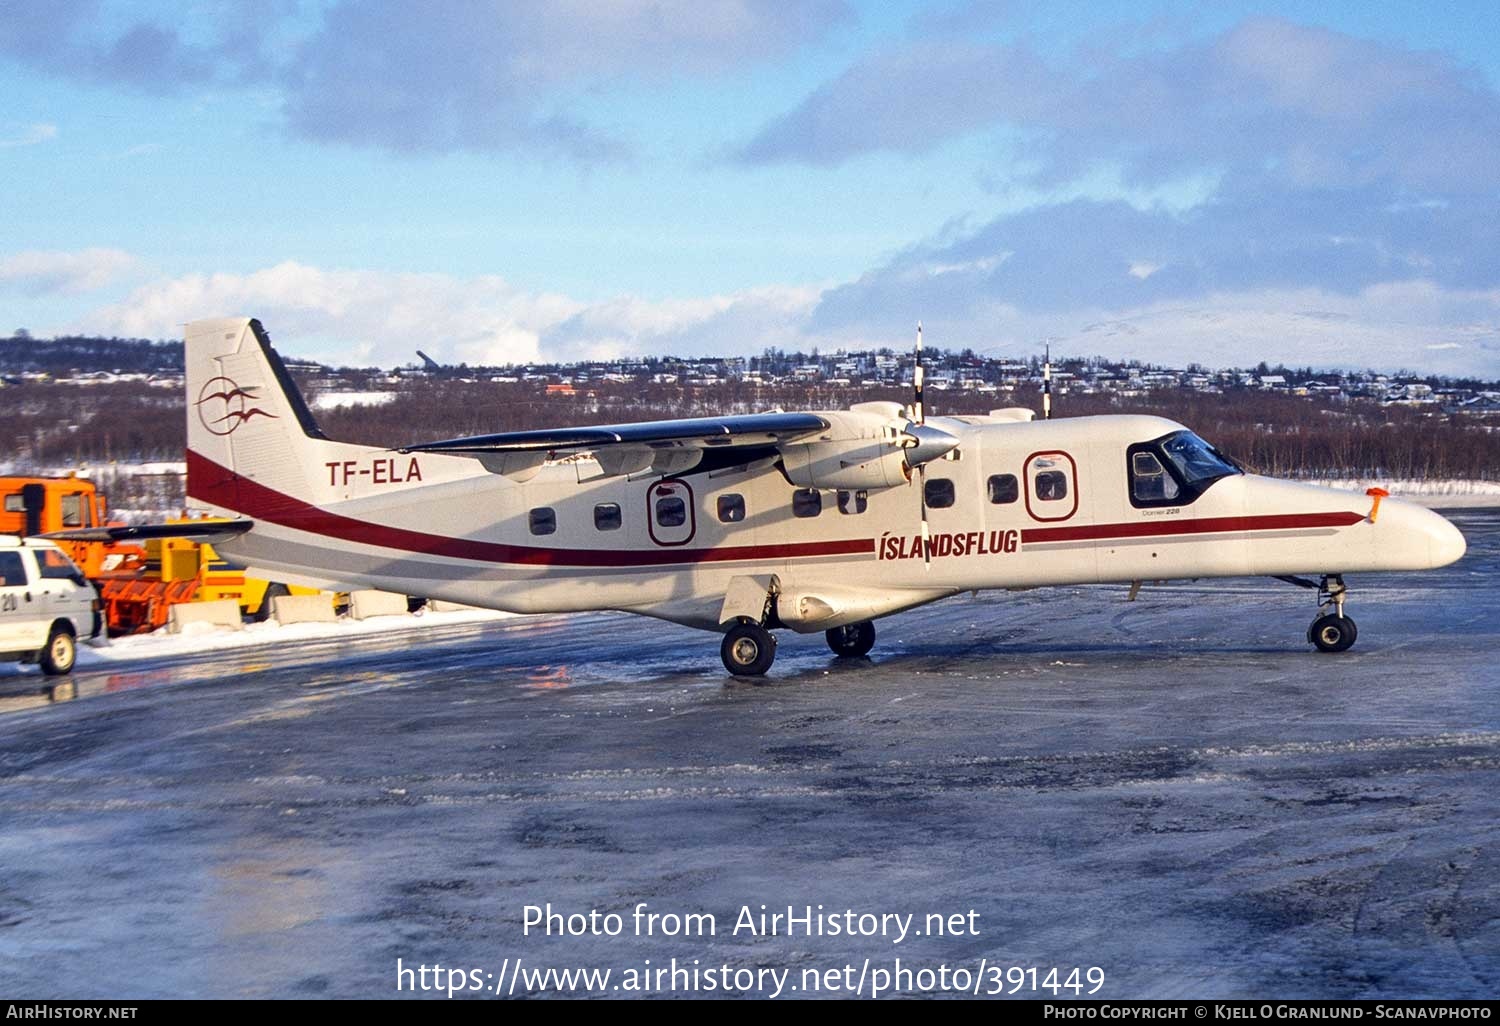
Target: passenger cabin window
x=1051 y=485
x=12 y=570
x=1149 y=480
x=671 y=512
x=543 y=520
x=731 y=508
x=807 y=503
x=1004 y=489
x=938 y=492
x=852 y=503
x=607 y=516
x=15 y=503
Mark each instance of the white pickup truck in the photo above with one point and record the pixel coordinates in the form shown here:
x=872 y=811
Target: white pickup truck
x=46 y=604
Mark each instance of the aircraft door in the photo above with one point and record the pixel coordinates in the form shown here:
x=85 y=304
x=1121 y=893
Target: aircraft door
x=1051 y=486
x=669 y=512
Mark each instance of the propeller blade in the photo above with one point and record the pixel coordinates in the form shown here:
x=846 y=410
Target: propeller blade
x=918 y=412
x=922 y=502
x=923 y=443
x=1047 y=384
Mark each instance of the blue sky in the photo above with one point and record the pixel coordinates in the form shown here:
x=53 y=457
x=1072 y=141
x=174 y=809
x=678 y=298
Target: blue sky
x=495 y=181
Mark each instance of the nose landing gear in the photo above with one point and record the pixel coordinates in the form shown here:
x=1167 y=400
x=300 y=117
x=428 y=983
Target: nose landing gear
x=1331 y=631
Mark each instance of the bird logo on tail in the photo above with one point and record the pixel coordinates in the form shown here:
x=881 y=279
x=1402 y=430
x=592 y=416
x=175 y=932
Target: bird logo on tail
x=223 y=406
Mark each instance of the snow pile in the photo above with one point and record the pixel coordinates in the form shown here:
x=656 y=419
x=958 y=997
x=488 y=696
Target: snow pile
x=201 y=637
x=1427 y=492
x=334 y=400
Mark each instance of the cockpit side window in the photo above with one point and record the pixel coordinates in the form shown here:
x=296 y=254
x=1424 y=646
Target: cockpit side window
x=1149 y=480
x=1174 y=470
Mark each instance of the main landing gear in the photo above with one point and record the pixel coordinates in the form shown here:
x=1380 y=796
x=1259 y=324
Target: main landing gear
x=1332 y=631
x=852 y=640
x=749 y=649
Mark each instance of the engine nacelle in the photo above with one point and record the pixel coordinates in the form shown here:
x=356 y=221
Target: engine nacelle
x=852 y=465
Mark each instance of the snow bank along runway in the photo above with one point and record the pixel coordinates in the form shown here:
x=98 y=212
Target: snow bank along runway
x=1177 y=790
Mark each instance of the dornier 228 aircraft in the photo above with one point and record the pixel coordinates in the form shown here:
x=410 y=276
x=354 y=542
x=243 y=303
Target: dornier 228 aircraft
x=821 y=521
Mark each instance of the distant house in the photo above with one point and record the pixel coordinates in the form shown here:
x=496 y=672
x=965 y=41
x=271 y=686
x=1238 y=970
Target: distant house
x=1483 y=405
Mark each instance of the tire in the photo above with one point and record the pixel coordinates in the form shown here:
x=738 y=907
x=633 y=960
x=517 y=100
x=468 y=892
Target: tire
x=1333 y=633
x=852 y=640
x=748 y=650
x=59 y=654
x=272 y=591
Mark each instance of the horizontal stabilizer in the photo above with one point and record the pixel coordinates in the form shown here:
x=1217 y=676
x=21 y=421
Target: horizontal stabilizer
x=198 y=531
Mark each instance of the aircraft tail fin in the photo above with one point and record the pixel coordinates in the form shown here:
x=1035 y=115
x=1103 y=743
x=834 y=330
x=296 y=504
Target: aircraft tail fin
x=248 y=428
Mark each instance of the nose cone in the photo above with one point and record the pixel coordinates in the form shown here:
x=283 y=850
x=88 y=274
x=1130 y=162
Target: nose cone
x=1445 y=542
x=1418 y=536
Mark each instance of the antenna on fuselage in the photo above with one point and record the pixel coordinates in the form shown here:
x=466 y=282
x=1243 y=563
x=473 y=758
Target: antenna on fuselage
x=1047 y=383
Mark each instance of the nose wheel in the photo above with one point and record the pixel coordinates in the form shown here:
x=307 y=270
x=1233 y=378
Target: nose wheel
x=1332 y=631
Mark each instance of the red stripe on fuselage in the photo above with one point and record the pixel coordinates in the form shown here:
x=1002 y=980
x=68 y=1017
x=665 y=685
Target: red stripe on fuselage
x=223 y=487
x=1205 y=525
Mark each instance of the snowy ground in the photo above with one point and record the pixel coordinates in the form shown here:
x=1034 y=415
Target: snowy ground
x=201 y=639
x=1177 y=790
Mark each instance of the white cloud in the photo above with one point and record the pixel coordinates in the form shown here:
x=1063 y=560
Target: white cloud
x=356 y=316
x=502 y=75
x=1410 y=324
x=376 y=317
x=1266 y=101
x=45 y=272
x=28 y=135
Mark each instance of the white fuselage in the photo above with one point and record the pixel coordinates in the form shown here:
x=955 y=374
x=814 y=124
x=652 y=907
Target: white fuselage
x=445 y=527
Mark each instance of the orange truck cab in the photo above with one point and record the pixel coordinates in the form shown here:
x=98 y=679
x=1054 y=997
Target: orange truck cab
x=38 y=505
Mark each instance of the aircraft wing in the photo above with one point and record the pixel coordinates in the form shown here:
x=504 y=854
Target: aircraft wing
x=745 y=429
x=663 y=446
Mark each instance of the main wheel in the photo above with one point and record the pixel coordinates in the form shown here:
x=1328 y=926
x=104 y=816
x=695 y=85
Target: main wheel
x=1332 y=633
x=60 y=653
x=852 y=640
x=748 y=650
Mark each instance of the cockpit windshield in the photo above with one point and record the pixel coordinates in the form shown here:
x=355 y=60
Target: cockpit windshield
x=1174 y=470
x=1196 y=462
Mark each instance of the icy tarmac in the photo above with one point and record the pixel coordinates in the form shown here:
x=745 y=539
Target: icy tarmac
x=1177 y=790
